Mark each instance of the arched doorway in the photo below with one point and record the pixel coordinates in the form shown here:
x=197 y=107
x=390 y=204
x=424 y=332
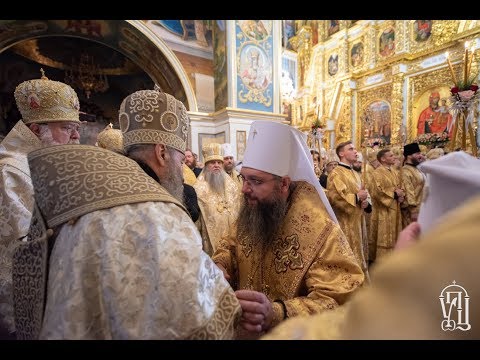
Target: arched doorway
x=126 y=53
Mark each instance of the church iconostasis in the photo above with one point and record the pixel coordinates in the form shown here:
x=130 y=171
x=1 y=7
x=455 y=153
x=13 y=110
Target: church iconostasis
x=383 y=64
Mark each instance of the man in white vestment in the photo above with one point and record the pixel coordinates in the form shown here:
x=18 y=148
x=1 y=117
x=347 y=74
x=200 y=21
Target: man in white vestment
x=50 y=116
x=127 y=261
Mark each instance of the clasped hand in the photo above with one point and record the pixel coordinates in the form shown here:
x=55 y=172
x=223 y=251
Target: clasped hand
x=257 y=311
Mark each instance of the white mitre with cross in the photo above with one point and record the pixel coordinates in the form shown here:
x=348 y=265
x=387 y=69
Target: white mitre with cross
x=282 y=150
x=451 y=180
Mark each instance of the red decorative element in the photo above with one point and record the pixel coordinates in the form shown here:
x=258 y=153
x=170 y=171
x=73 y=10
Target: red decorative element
x=33 y=101
x=454 y=90
x=474 y=87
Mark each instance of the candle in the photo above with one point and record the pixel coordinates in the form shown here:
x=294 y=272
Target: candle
x=465 y=65
x=364 y=170
x=472 y=54
x=452 y=73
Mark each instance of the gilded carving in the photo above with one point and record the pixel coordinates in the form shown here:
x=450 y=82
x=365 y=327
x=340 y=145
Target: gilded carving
x=343 y=126
x=344 y=63
x=397 y=108
x=444 y=31
x=400 y=40
x=380 y=93
x=372 y=49
x=304 y=52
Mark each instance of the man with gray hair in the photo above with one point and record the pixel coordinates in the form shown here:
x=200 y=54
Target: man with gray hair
x=218 y=198
x=50 y=116
x=128 y=260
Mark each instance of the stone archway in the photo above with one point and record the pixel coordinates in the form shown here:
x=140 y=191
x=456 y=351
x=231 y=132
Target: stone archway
x=129 y=37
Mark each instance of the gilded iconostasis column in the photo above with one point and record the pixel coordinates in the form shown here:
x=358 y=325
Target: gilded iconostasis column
x=398 y=81
x=343 y=128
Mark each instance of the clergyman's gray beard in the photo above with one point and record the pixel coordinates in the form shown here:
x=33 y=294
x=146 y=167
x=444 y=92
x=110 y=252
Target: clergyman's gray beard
x=173 y=181
x=262 y=221
x=215 y=180
x=46 y=138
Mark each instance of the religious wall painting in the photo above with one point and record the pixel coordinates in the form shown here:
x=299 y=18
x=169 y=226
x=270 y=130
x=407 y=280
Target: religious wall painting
x=255 y=73
x=255 y=69
x=333 y=26
x=199 y=31
x=422 y=29
x=377 y=122
x=257 y=30
x=333 y=64
x=288 y=31
x=357 y=54
x=241 y=144
x=387 y=42
x=430 y=111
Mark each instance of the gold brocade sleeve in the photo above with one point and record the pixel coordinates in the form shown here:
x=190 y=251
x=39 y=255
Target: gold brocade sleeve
x=225 y=254
x=410 y=291
x=331 y=279
x=385 y=184
x=413 y=186
x=340 y=192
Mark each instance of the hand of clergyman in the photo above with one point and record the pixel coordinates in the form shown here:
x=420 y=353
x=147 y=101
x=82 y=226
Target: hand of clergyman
x=257 y=310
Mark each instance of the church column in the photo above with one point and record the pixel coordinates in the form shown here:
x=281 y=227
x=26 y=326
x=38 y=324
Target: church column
x=247 y=68
x=398 y=85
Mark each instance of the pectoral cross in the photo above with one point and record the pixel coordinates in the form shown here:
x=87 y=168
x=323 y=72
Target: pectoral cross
x=254 y=133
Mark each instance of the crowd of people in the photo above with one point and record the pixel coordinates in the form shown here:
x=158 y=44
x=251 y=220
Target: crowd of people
x=134 y=238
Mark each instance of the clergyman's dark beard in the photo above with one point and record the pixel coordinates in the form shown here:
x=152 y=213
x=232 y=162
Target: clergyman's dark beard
x=263 y=220
x=414 y=161
x=228 y=168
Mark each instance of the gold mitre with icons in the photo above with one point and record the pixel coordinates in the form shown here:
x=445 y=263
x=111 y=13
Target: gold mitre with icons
x=44 y=101
x=153 y=117
x=212 y=151
x=110 y=139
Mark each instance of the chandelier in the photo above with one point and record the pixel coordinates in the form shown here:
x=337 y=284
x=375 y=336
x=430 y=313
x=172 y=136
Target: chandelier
x=85 y=75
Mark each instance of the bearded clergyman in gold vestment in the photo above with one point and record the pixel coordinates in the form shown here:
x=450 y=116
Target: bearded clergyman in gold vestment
x=426 y=288
x=388 y=197
x=413 y=181
x=349 y=201
x=218 y=198
x=288 y=255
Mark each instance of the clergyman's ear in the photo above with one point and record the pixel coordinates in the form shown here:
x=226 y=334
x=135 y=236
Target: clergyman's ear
x=160 y=151
x=285 y=184
x=35 y=128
